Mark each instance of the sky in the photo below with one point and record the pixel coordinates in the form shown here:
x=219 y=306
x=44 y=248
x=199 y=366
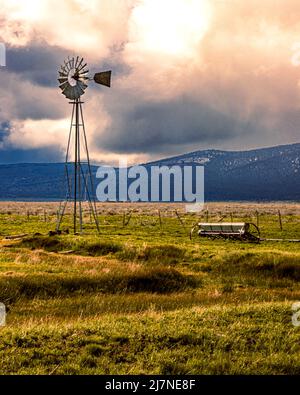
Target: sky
x=187 y=75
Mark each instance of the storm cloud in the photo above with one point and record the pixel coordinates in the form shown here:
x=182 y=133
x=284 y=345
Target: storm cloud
x=156 y=127
x=187 y=75
x=36 y=62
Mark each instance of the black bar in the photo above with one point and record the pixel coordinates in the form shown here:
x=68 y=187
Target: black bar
x=150 y=384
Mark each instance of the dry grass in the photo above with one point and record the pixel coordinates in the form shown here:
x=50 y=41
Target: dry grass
x=167 y=209
x=144 y=299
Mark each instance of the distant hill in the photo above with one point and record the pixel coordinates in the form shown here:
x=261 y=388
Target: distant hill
x=261 y=174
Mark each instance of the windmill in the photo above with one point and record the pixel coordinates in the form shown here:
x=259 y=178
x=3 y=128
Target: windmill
x=73 y=79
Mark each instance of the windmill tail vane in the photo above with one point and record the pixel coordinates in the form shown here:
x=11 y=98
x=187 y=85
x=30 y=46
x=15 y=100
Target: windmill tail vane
x=103 y=78
x=73 y=78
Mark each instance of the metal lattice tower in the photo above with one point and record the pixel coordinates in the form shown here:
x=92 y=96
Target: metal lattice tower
x=73 y=78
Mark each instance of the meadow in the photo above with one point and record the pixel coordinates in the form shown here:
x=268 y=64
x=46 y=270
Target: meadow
x=142 y=298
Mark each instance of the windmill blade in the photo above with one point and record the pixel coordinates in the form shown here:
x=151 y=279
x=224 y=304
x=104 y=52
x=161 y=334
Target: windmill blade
x=64 y=85
x=81 y=68
x=79 y=90
x=69 y=92
x=82 y=85
x=66 y=67
x=63 y=75
x=83 y=77
x=83 y=72
x=103 y=78
x=63 y=70
x=80 y=63
x=62 y=80
x=74 y=94
x=76 y=63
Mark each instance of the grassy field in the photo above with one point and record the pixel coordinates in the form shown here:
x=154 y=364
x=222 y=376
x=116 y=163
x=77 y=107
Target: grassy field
x=141 y=298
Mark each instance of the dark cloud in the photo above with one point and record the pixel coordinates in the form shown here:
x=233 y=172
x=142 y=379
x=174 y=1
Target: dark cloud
x=240 y=87
x=26 y=100
x=40 y=155
x=9 y=154
x=155 y=128
x=37 y=62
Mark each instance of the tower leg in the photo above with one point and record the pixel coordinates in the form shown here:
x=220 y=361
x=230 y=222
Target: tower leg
x=91 y=197
x=76 y=165
x=83 y=185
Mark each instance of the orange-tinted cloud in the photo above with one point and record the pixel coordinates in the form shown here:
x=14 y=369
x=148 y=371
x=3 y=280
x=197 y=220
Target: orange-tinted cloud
x=194 y=74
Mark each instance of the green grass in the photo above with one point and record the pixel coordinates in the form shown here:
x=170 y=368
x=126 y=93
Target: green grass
x=144 y=299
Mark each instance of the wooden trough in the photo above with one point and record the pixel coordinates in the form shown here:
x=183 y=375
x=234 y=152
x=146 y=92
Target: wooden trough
x=243 y=231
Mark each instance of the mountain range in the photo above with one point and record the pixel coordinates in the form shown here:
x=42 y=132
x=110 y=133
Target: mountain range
x=266 y=174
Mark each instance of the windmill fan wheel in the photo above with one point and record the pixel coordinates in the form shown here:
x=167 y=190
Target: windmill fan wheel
x=73 y=77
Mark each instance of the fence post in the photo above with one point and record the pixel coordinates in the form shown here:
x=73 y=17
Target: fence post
x=280 y=220
x=159 y=216
x=126 y=221
x=257 y=218
x=180 y=220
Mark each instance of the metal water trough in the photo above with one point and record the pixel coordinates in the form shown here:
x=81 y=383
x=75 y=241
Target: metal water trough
x=243 y=231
